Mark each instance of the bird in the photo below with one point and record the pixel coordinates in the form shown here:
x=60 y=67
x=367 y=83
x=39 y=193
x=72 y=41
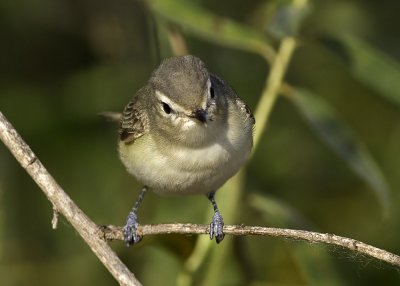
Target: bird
x=185 y=132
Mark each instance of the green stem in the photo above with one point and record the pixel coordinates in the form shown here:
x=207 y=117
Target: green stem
x=272 y=86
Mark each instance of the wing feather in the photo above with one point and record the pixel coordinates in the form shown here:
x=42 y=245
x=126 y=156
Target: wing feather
x=134 y=121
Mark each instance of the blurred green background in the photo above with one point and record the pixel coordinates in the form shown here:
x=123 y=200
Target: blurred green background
x=62 y=62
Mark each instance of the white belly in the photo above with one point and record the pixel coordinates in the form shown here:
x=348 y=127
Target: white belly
x=185 y=170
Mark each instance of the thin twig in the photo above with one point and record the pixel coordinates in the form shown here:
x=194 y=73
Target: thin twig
x=115 y=233
x=54 y=220
x=63 y=204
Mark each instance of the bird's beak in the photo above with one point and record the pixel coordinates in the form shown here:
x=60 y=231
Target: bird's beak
x=200 y=115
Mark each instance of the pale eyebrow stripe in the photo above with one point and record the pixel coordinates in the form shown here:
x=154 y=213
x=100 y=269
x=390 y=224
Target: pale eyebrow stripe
x=205 y=99
x=162 y=97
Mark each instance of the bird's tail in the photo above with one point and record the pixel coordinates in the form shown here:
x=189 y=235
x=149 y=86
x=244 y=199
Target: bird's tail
x=111 y=116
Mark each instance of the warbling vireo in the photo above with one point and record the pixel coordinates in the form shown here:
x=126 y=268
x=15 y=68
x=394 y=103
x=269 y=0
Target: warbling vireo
x=185 y=132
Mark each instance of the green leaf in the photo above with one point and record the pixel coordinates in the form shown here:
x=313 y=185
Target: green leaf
x=322 y=117
x=220 y=30
x=370 y=66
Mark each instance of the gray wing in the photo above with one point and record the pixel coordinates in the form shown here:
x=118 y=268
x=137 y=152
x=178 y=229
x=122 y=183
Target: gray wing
x=245 y=109
x=228 y=90
x=134 y=121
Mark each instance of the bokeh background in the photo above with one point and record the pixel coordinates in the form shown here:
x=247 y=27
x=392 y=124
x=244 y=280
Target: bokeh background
x=328 y=160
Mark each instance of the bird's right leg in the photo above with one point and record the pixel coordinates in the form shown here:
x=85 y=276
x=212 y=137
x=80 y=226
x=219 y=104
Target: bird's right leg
x=130 y=228
x=217 y=223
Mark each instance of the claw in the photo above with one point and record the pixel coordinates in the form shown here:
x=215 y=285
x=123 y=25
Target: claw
x=130 y=230
x=217 y=223
x=216 y=227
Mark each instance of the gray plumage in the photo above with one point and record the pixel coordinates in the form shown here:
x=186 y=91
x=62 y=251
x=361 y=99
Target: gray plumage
x=185 y=132
x=134 y=122
x=173 y=78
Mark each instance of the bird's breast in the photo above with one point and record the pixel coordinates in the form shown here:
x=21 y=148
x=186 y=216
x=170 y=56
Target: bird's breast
x=179 y=169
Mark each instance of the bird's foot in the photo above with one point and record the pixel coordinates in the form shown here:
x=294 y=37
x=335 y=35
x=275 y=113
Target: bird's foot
x=216 y=227
x=130 y=230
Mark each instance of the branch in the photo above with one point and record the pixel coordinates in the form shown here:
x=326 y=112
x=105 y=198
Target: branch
x=63 y=204
x=115 y=233
x=96 y=237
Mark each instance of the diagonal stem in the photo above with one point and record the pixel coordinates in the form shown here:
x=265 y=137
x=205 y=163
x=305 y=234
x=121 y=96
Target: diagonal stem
x=63 y=204
x=272 y=86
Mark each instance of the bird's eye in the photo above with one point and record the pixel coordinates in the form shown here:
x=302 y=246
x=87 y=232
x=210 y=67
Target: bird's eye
x=167 y=109
x=212 y=93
